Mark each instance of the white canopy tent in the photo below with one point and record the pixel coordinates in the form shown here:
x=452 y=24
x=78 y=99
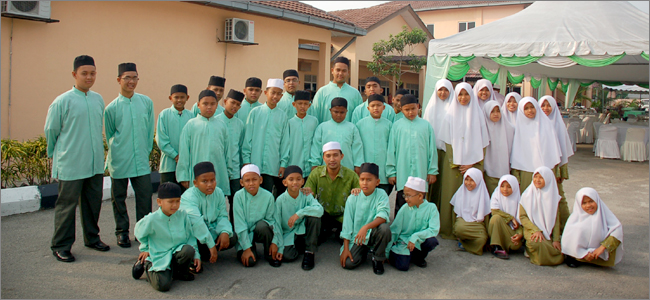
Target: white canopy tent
x=627 y=88
x=566 y=42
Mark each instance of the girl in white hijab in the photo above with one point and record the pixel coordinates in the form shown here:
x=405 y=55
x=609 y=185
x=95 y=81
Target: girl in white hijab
x=592 y=234
x=505 y=228
x=472 y=205
x=497 y=153
x=535 y=143
x=509 y=107
x=541 y=221
x=550 y=109
x=484 y=92
x=464 y=133
x=435 y=113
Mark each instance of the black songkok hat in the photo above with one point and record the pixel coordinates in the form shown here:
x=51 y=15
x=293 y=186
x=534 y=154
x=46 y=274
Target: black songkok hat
x=202 y=168
x=235 y=95
x=169 y=190
x=83 y=60
x=342 y=59
x=254 y=82
x=217 y=81
x=207 y=93
x=125 y=67
x=288 y=73
x=376 y=97
x=373 y=79
x=408 y=99
x=302 y=95
x=339 y=101
x=292 y=169
x=178 y=88
x=401 y=92
x=370 y=168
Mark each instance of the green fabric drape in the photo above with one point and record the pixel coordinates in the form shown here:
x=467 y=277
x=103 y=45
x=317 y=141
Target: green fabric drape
x=552 y=85
x=502 y=80
x=437 y=68
x=541 y=91
x=535 y=83
x=596 y=62
x=564 y=87
x=515 y=61
x=572 y=90
x=462 y=59
x=645 y=55
x=492 y=77
x=515 y=79
x=458 y=71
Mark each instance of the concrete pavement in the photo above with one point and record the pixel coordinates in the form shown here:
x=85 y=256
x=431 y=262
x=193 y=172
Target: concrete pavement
x=30 y=271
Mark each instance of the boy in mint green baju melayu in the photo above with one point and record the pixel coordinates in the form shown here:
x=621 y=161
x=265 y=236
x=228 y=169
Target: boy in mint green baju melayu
x=217 y=85
x=168 y=132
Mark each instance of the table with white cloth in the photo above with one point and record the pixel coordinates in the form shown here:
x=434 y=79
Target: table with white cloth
x=622 y=131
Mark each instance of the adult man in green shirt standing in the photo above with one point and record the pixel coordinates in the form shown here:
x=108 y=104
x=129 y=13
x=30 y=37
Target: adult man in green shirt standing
x=331 y=185
x=291 y=82
x=338 y=87
x=73 y=130
x=129 y=122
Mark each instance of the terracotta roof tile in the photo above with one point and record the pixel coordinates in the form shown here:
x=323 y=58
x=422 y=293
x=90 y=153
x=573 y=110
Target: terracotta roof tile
x=366 y=17
x=418 y=5
x=303 y=8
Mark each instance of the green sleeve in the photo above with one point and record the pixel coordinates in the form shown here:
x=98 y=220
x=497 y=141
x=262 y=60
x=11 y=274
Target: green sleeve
x=432 y=153
x=312 y=182
x=278 y=239
x=53 y=124
x=231 y=155
x=611 y=243
x=383 y=209
x=312 y=208
x=151 y=125
x=357 y=148
x=315 y=159
x=347 y=226
x=223 y=224
x=278 y=235
x=183 y=165
x=526 y=222
x=192 y=236
x=162 y=137
x=199 y=228
x=557 y=235
x=285 y=145
x=431 y=231
x=506 y=216
x=396 y=227
x=141 y=232
x=109 y=123
x=241 y=227
x=246 y=147
x=391 y=155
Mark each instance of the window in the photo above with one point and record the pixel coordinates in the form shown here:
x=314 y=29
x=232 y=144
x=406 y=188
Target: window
x=413 y=89
x=462 y=26
x=310 y=82
x=430 y=28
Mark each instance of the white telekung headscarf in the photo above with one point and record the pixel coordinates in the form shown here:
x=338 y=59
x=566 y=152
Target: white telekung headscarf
x=501 y=133
x=535 y=143
x=510 y=204
x=541 y=204
x=464 y=128
x=510 y=116
x=560 y=129
x=480 y=84
x=437 y=109
x=473 y=205
x=583 y=232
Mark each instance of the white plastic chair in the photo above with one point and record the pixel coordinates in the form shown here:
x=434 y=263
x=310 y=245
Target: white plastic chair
x=574 y=134
x=634 y=147
x=587 y=130
x=606 y=146
x=596 y=128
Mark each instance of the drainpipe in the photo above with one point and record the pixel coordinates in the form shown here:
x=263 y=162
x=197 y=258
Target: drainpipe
x=11 y=38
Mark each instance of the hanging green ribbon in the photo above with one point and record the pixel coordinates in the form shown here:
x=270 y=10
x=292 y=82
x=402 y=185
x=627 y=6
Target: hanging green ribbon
x=515 y=79
x=515 y=61
x=553 y=84
x=458 y=71
x=596 y=62
x=462 y=59
x=492 y=77
x=535 y=83
x=564 y=87
x=645 y=55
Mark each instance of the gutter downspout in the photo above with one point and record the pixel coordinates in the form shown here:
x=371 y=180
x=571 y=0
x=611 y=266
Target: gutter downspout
x=11 y=38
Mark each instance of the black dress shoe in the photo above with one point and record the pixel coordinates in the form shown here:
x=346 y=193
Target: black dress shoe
x=308 y=261
x=275 y=263
x=99 y=246
x=123 y=241
x=64 y=256
x=420 y=263
x=571 y=262
x=138 y=270
x=184 y=277
x=194 y=271
x=377 y=266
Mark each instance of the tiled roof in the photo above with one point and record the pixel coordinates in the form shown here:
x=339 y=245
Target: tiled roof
x=423 y=5
x=366 y=17
x=299 y=7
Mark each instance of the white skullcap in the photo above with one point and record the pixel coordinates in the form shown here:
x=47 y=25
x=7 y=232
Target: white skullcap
x=331 y=146
x=417 y=184
x=275 y=83
x=250 y=168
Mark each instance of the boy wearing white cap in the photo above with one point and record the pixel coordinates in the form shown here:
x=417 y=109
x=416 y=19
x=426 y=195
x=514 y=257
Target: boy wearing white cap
x=264 y=141
x=331 y=184
x=254 y=211
x=415 y=227
x=365 y=223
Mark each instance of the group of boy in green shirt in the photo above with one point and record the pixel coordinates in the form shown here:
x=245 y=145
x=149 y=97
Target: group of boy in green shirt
x=317 y=170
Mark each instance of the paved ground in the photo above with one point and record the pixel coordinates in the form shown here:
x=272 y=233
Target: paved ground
x=30 y=271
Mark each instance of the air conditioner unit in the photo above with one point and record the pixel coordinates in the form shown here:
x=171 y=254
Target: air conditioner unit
x=33 y=9
x=240 y=30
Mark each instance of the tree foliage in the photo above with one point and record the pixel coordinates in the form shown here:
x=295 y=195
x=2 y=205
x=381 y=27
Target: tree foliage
x=391 y=56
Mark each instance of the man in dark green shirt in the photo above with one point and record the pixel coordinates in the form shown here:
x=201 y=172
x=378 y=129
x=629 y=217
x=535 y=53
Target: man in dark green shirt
x=331 y=185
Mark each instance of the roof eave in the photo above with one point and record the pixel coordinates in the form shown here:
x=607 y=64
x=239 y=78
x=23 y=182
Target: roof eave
x=283 y=14
x=399 y=12
x=473 y=5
